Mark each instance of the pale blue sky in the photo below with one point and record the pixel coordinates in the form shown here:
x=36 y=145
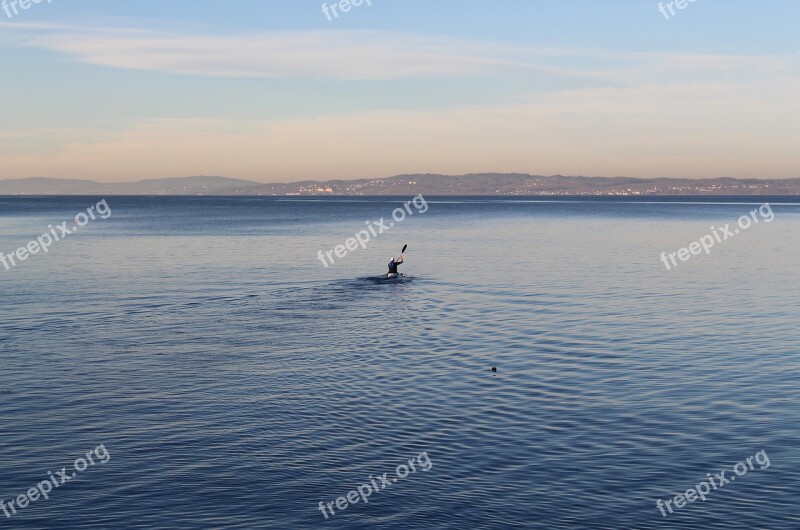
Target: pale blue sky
x=274 y=91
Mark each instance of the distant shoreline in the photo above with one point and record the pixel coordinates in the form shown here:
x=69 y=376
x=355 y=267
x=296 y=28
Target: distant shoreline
x=477 y=185
x=653 y=199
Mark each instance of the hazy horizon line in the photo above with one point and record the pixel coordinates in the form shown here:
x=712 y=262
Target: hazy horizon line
x=322 y=180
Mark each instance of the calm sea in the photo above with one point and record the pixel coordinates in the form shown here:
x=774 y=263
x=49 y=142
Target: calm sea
x=236 y=382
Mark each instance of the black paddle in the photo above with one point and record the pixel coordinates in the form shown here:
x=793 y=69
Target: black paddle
x=404 y=249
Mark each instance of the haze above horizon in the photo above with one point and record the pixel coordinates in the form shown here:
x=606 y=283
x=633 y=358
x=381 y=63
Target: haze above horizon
x=278 y=91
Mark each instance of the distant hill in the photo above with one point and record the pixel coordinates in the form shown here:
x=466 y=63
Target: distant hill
x=44 y=186
x=504 y=184
x=169 y=186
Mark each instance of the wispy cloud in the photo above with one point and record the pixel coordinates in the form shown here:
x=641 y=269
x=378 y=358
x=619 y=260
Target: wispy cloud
x=348 y=55
x=364 y=55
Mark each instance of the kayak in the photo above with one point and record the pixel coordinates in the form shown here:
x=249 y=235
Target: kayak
x=390 y=278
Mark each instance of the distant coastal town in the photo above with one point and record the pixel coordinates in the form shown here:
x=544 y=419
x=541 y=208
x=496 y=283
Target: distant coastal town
x=530 y=185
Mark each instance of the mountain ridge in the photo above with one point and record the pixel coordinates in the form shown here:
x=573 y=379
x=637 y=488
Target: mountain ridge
x=484 y=184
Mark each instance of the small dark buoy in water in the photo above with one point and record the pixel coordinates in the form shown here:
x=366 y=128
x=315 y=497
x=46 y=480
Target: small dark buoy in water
x=494 y=368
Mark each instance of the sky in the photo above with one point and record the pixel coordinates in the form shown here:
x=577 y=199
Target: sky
x=278 y=91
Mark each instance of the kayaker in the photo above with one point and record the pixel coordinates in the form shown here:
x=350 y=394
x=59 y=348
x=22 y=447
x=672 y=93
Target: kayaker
x=394 y=263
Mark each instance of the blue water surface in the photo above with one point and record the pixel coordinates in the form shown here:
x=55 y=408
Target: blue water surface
x=237 y=382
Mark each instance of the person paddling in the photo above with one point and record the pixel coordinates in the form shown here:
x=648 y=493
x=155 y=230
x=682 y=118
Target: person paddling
x=393 y=265
x=395 y=262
